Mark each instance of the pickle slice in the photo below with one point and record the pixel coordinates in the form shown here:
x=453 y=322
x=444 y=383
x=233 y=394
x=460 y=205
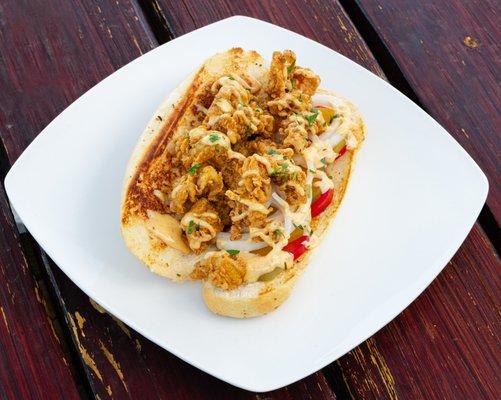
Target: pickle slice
x=270 y=275
x=328 y=114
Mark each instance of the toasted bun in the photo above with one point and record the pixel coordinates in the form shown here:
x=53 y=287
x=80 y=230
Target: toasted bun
x=173 y=115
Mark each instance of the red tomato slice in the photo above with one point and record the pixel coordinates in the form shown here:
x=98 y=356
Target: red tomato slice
x=341 y=152
x=320 y=204
x=296 y=247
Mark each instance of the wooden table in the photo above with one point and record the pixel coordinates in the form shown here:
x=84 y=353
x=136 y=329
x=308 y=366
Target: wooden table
x=56 y=343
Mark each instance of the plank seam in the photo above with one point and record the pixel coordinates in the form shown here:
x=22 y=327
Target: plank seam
x=158 y=22
x=29 y=246
x=397 y=78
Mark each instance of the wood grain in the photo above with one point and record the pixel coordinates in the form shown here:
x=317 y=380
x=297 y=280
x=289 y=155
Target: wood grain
x=323 y=21
x=118 y=362
x=32 y=362
x=449 y=53
x=443 y=345
x=126 y=365
x=59 y=50
x=54 y=51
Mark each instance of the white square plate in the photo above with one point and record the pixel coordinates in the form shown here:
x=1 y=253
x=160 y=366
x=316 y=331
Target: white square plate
x=412 y=199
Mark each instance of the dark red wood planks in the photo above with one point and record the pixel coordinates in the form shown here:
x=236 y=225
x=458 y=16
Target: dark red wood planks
x=463 y=344
x=61 y=62
x=445 y=345
x=96 y=41
x=32 y=362
x=448 y=52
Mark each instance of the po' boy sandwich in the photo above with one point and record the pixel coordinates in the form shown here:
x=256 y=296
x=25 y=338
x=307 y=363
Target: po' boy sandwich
x=236 y=178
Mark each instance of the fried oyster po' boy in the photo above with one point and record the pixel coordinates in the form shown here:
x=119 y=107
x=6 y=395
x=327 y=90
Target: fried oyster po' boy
x=236 y=178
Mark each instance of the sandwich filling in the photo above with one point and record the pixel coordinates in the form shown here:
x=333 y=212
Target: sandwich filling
x=241 y=186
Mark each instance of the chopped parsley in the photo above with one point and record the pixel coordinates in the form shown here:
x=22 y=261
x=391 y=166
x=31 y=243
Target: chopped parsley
x=191 y=227
x=233 y=252
x=213 y=137
x=273 y=152
x=298 y=226
x=291 y=67
x=278 y=232
x=281 y=170
x=232 y=78
x=323 y=160
x=312 y=170
x=311 y=118
x=194 y=168
x=293 y=82
x=294 y=175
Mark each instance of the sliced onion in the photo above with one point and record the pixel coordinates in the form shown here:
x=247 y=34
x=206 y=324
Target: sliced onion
x=288 y=227
x=331 y=137
x=224 y=242
x=310 y=165
x=279 y=202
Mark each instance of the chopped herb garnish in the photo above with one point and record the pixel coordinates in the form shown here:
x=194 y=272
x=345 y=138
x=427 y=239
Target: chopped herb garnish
x=300 y=97
x=232 y=78
x=329 y=176
x=213 y=137
x=324 y=161
x=178 y=275
x=241 y=105
x=291 y=67
x=273 y=151
x=293 y=82
x=298 y=226
x=194 y=168
x=294 y=175
x=191 y=227
x=281 y=170
x=312 y=170
x=311 y=118
x=233 y=252
x=278 y=232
